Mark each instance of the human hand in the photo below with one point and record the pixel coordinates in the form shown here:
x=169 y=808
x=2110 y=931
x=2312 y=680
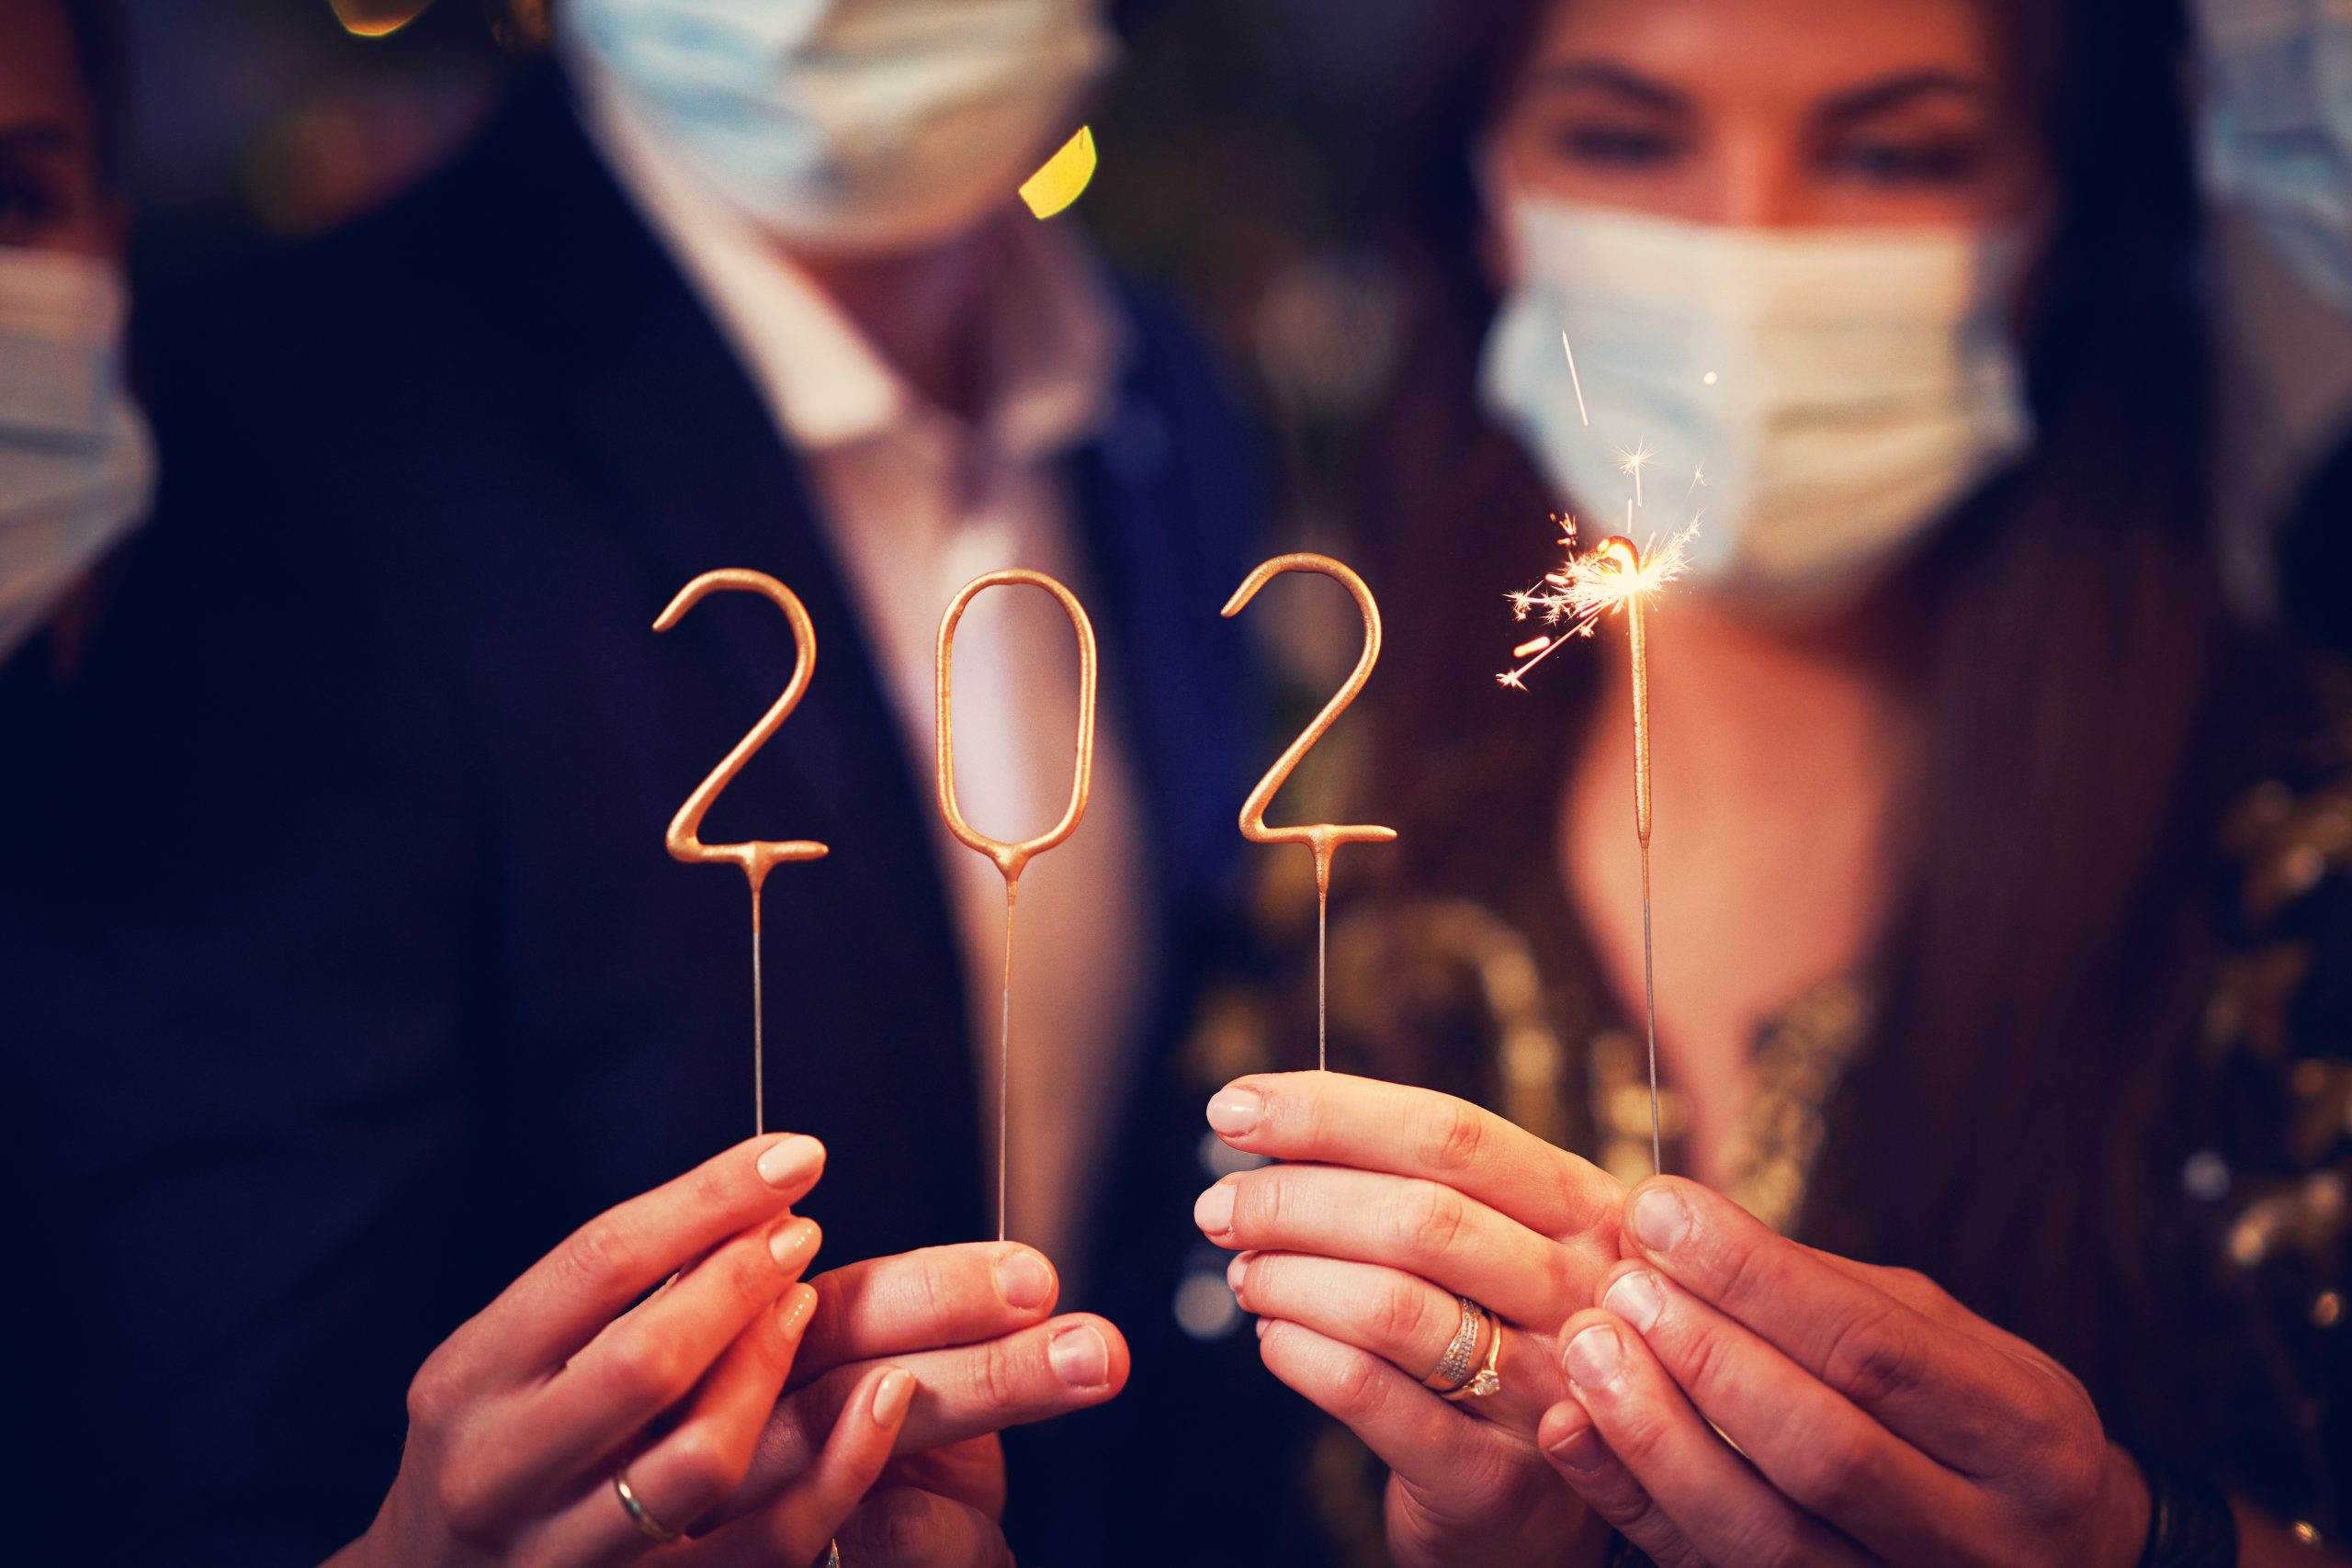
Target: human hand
x=1737 y=1398
x=973 y=1323
x=521 y=1422
x=939 y=1510
x=1355 y=1259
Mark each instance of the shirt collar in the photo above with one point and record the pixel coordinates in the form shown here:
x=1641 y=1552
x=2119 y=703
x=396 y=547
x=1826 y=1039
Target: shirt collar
x=1054 y=341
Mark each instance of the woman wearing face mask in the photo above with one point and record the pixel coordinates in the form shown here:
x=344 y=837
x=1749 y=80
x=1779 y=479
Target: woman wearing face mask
x=76 y=466
x=2000 y=905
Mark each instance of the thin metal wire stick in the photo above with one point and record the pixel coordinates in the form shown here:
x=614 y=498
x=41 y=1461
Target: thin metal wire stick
x=1322 y=980
x=1649 y=997
x=759 y=1029
x=1004 y=1057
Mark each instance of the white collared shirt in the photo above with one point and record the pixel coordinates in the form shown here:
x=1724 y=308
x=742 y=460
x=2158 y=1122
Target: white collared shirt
x=915 y=502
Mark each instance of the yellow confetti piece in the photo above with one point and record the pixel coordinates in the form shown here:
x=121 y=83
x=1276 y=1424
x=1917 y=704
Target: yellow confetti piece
x=1063 y=177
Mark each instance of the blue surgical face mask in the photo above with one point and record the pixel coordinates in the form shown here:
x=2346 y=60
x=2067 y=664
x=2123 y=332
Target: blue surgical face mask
x=1819 y=398
x=76 y=468
x=2276 y=132
x=853 y=124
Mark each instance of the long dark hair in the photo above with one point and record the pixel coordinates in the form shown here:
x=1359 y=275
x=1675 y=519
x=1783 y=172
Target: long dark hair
x=2060 y=645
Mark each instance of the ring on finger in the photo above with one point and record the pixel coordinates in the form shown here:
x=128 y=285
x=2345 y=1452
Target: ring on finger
x=1452 y=1372
x=649 y=1527
x=1489 y=1379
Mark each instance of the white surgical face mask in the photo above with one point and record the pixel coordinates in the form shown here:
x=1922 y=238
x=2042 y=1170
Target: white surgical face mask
x=2277 y=129
x=76 y=468
x=853 y=125
x=1838 y=390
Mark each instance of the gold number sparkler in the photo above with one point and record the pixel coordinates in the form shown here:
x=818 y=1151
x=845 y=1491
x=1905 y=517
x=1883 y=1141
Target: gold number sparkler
x=1323 y=838
x=1613 y=575
x=1012 y=858
x=758 y=857
x=1627 y=561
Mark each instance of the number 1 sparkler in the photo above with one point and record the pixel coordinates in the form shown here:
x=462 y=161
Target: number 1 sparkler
x=1613 y=576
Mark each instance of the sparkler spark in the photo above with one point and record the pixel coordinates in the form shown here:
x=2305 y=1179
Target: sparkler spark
x=1572 y=380
x=1632 y=463
x=1697 y=477
x=1574 y=597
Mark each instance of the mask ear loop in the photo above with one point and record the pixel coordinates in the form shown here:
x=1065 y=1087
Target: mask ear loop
x=1012 y=859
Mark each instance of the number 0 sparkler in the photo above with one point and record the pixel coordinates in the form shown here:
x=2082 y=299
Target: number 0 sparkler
x=1012 y=858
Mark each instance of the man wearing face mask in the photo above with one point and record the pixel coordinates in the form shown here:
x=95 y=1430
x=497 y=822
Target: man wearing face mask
x=75 y=463
x=726 y=283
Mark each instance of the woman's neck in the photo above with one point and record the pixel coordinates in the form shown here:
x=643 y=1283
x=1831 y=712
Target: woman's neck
x=1774 y=755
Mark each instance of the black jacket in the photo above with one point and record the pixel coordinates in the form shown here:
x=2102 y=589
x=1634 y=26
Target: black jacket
x=345 y=968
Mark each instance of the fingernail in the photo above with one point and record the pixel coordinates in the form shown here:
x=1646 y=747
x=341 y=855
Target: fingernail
x=791 y=1161
x=1212 y=1210
x=891 y=1397
x=1581 y=1451
x=1636 y=1299
x=792 y=1243
x=1234 y=1272
x=1659 y=1219
x=1079 y=1358
x=1264 y=1323
x=1234 y=1111
x=792 y=1312
x=1593 y=1356
x=1024 y=1279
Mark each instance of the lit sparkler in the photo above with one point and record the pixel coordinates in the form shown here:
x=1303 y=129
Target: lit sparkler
x=1612 y=576
x=1575 y=597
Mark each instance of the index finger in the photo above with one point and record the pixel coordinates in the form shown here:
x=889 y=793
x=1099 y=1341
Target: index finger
x=1948 y=1392
x=565 y=1299
x=1337 y=1119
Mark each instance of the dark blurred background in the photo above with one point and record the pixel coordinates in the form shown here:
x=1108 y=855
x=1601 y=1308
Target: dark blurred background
x=1243 y=146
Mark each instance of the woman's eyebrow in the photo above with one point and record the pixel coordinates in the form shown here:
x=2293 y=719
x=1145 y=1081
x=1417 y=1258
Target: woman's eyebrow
x=1902 y=92
x=37 y=137
x=1613 y=81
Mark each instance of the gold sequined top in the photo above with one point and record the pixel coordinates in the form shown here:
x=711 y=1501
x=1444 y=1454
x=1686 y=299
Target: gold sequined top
x=1507 y=1009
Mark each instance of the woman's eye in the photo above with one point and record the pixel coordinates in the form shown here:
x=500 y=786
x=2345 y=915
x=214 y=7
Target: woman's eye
x=27 y=209
x=1615 y=146
x=1944 y=161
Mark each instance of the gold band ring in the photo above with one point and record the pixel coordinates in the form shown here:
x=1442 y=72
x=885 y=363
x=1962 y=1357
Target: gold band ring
x=649 y=1527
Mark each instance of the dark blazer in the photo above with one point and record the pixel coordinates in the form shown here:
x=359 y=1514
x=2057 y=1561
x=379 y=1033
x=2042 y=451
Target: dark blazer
x=345 y=968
